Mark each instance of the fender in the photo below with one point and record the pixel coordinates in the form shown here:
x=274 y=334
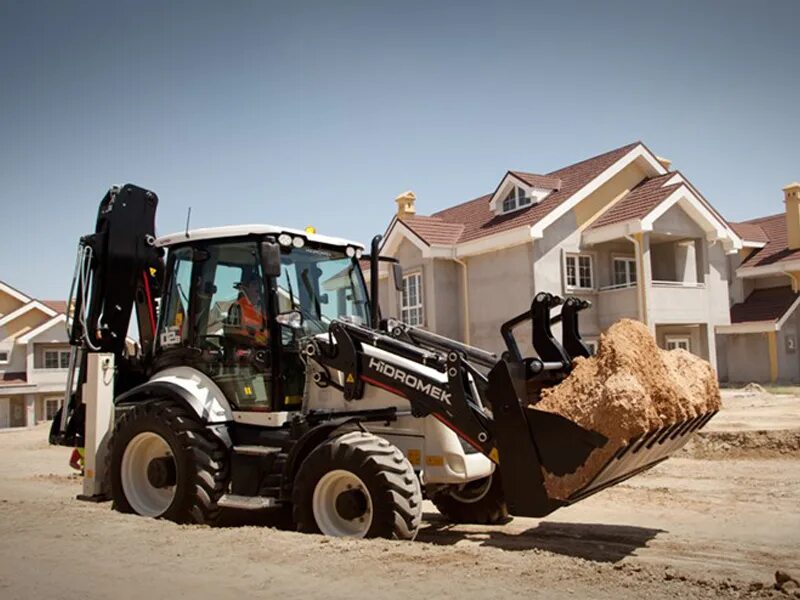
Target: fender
x=189 y=385
x=309 y=441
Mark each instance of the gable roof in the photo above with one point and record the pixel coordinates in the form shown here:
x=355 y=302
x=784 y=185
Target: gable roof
x=13 y=378
x=750 y=232
x=776 y=244
x=13 y=292
x=768 y=304
x=433 y=230
x=25 y=308
x=479 y=221
x=538 y=181
x=60 y=306
x=639 y=202
x=49 y=324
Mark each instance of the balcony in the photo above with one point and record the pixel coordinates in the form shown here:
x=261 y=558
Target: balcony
x=678 y=302
x=615 y=302
x=48 y=379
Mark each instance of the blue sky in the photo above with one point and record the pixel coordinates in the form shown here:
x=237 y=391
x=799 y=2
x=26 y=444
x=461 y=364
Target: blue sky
x=321 y=113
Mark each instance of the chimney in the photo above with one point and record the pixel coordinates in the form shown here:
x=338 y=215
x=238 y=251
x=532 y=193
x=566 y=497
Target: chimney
x=791 y=196
x=665 y=162
x=405 y=204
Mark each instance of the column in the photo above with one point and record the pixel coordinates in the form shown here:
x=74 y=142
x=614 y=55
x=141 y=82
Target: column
x=644 y=277
x=30 y=410
x=5 y=413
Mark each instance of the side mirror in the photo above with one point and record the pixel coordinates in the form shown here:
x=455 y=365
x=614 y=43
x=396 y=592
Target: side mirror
x=291 y=319
x=397 y=275
x=270 y=259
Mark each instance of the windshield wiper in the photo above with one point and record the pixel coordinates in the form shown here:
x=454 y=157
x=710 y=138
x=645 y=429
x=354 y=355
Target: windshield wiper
x=295 y=303
x=310 y=290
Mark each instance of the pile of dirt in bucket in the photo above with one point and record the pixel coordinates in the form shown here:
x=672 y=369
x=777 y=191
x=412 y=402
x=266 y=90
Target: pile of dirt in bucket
x=630 y=387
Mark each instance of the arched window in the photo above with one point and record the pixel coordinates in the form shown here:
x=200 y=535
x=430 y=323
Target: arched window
x=515 y=199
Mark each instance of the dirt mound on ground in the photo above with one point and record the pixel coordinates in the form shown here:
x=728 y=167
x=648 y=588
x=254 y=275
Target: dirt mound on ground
x=629 y=388
x=744 y=444
x=754 y=388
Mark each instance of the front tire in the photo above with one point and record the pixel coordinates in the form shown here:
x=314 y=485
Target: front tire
x=164 y=463
x=357 y=485
x=481 y=502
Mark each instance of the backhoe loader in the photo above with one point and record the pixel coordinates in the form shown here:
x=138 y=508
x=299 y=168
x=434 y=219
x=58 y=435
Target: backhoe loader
x=265 y=378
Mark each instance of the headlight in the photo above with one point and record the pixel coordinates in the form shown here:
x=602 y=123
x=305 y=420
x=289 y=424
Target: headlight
x=298 y=242
x=285 y=239
x=350 y=251
x=359 y=252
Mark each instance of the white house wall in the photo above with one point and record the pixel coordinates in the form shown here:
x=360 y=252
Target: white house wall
x=676 y=222
x=449 y=310
x=563 y=237
x=17 y=358
x=411 y=259
x=789 y=362
x=747 y=357
x=500 y=287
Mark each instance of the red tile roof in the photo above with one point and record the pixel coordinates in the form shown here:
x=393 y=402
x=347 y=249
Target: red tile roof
x=751 y=232
x=60 y=306
x=434 y=230
x=13 y=379
x=639 y=202
x=764 y=305
x=479 y=221
x=777 y=245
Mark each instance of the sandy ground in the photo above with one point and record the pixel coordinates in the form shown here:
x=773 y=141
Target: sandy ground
x=717 y=526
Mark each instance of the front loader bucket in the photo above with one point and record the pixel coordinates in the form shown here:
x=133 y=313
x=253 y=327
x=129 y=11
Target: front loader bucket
x=629 y=459
x=540 y=451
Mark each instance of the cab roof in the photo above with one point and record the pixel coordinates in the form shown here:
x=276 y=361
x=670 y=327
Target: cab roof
x=210 y=233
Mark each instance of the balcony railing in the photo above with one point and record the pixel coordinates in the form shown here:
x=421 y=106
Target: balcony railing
x=618 y=286
x=678 y=284
x=654 y=283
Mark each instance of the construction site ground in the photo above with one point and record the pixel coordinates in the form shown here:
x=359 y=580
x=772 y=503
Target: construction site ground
x=715 y=521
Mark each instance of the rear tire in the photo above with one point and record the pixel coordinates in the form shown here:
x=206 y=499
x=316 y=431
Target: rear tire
x=357 y=485
x=481 y=502
x=186 y=488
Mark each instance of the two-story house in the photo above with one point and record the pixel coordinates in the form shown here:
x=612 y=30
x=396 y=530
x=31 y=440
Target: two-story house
x=760 y=343
x=34 y=355
x=620 y=229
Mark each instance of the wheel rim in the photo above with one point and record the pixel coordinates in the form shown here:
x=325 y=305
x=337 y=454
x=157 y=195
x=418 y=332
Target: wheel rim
x=338 y=495
x=145 y=498
x=472 y=491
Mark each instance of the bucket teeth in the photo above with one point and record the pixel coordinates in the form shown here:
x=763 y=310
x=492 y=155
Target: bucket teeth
x=642 y=453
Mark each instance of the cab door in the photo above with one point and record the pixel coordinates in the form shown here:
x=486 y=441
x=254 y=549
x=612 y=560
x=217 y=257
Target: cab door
x=215 y=310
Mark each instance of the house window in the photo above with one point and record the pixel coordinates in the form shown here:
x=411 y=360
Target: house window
x=3 y=357
x=411 y=309
x=579 y=272
x=515 y=199
x=51 y=406
x=624 y=272
x=56 y=359
x=675 y=342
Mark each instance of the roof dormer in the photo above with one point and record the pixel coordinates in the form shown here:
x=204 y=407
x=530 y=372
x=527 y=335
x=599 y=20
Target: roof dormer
x=519 y=190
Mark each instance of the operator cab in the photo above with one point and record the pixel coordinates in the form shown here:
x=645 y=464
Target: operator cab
x=238 y=300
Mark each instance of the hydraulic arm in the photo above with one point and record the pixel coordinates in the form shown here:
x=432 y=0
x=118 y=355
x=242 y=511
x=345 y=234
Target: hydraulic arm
x=118 y=268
